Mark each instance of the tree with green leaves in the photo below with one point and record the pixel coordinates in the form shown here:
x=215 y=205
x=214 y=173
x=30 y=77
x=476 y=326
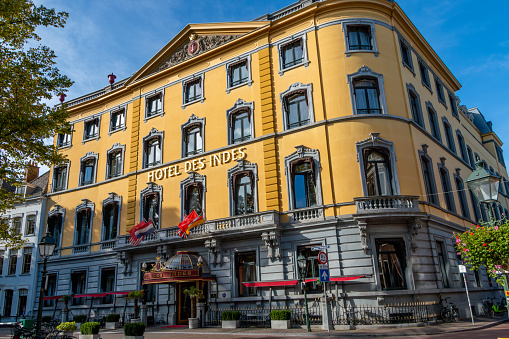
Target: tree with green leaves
x=28 y=80
x=194 y=294
x=485 y=245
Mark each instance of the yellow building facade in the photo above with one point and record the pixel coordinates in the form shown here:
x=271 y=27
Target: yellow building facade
x=328 y=123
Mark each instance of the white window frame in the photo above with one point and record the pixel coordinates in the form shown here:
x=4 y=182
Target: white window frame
x=86 y=204
x=66 y=165
x=183 y=130
x=154 y=133
x=96 y=117
x=149 y=96
x=286 y=41
x=359 y=22
x=308 y=88
x=239 y=105
x=122 y=109
x=68 y=145
x=242 y=165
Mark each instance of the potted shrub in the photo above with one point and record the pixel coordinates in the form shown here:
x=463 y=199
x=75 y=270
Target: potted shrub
x=65 y=311
x=68 y=328
x=79 y=319
x=136 y=296
x=194 y=294
x=231 y=319
x=90 y=330
x=280 y=319
x=134 y=330
x=112 y=321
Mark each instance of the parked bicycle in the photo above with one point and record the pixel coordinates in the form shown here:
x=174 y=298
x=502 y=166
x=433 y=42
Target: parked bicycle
x=48 y=331
x=494 y=306
x=449 y=312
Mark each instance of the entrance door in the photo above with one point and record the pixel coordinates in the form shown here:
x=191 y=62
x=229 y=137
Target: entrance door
x=184 y=302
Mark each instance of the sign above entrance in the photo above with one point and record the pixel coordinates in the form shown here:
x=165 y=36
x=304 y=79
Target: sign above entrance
x=198 y=164
x=319 y=248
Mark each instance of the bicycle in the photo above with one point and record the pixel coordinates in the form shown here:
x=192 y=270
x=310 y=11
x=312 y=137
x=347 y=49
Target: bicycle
x=449 y=312
x=494 y=306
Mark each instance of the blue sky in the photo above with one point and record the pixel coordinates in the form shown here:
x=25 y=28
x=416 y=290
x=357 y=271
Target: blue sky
x=119 y=36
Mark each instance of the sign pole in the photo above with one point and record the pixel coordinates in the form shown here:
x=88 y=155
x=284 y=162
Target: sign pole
x=463 y=271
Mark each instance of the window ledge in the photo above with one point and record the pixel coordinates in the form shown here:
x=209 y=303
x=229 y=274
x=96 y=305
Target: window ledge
x=117 y=130
x=426 y=86
x=348 y=52
x=304 y=62
x=184 y=105
x=249 y=82
x=160 y=114
x=25 y=274
x=65 y=146
x=410 y=68
x=442 y=102
x=90 y=139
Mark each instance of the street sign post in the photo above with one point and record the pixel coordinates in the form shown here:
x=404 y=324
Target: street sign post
x=323 y=258
x=324 y=275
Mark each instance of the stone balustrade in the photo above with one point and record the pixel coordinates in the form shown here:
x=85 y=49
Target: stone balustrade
x=387 y=203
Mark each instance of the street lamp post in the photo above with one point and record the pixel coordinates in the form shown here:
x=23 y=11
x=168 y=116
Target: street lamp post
x=484 y=185
x=46 y=248
x=302 y=262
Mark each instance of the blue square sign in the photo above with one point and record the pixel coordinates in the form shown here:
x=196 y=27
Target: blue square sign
x=324 y=275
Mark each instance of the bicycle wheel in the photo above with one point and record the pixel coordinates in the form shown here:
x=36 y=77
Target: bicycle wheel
x=454 y=314
x=485 y=310
x=446 y=315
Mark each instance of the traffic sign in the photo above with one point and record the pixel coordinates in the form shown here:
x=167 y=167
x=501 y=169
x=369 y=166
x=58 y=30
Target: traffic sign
x=323 y=266
x=324 y=275
x=319 y=248
x=462 y=268
x=322 y=258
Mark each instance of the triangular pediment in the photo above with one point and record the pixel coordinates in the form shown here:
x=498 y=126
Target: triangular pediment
x=194 y=40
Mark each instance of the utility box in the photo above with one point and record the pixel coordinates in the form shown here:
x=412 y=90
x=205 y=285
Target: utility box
x=27 y=323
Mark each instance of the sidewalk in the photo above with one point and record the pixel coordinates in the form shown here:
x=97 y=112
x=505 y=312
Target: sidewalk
x=365 y=331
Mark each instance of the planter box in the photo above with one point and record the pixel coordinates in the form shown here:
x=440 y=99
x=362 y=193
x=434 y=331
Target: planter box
x=68 y=333
x=112 y=326
x=78 y=326
x=133 y=337
x=280 y=324
x=135 y=320
x=194 y=322
x=231 y=323
x=89 y=336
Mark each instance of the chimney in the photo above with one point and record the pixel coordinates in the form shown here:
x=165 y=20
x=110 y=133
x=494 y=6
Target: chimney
x=31 y=171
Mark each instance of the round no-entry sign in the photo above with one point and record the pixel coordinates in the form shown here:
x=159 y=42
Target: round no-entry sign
x=322 y=258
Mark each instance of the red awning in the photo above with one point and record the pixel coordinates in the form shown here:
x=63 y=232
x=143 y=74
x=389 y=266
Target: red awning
x=53 y=297
x=347 y=278
x=91 y=295
x=123 y=293
x=293 y=282
x=271 y=283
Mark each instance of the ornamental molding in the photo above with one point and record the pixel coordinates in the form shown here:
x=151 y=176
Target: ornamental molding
x=201 y=44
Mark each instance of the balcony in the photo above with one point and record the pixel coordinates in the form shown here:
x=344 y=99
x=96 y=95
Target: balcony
x=308 y=214
x=387 y=204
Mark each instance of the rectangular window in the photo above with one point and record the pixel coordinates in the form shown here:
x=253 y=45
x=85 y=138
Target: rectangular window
x=446 y=187
x=440 y=91
x=154 y=105
x=304 y=184
x=192 y=91
x=108 y=284
x=27 y=260
x=87 y=172
x=51 y=289
x=312 y=268
x=63 y=139
x=391 y=264
x=433 y=122
x=2 y=258
x=292 y=54
x=30 y=226
x=443 y=264
x=91 y=129
x=424 y=75
x=59 y=178
x=359 y=37
x=449 y=138
x=152 y=152
x=246 y=272
x=8 y=302
x=78 y=286
x=13 y=262
x=83 y=227
x=16 y=225
x=22 y=302
x=238 y=74
x=429 y=182
x=115 y=164
x=460 y=187
x=406 y=55
x=117 y=120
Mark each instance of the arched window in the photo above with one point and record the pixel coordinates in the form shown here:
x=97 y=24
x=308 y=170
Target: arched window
x=242 y=183
x=367 y=96
x=303 y=182
x=377 y=170
x=297 y=106
x=83 y=225
x=110 y=220
x=193 y=198
x=193 y=140
x=151 y=208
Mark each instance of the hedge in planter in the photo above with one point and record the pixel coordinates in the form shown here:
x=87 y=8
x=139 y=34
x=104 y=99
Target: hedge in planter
x=112 y=318
x=90 y=328
x=230 y=315
x=134 y=329
x=280 y=315
x=79 y=318
x=67 y=327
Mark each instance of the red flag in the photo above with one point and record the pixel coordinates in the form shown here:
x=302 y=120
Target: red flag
x=184 y=224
